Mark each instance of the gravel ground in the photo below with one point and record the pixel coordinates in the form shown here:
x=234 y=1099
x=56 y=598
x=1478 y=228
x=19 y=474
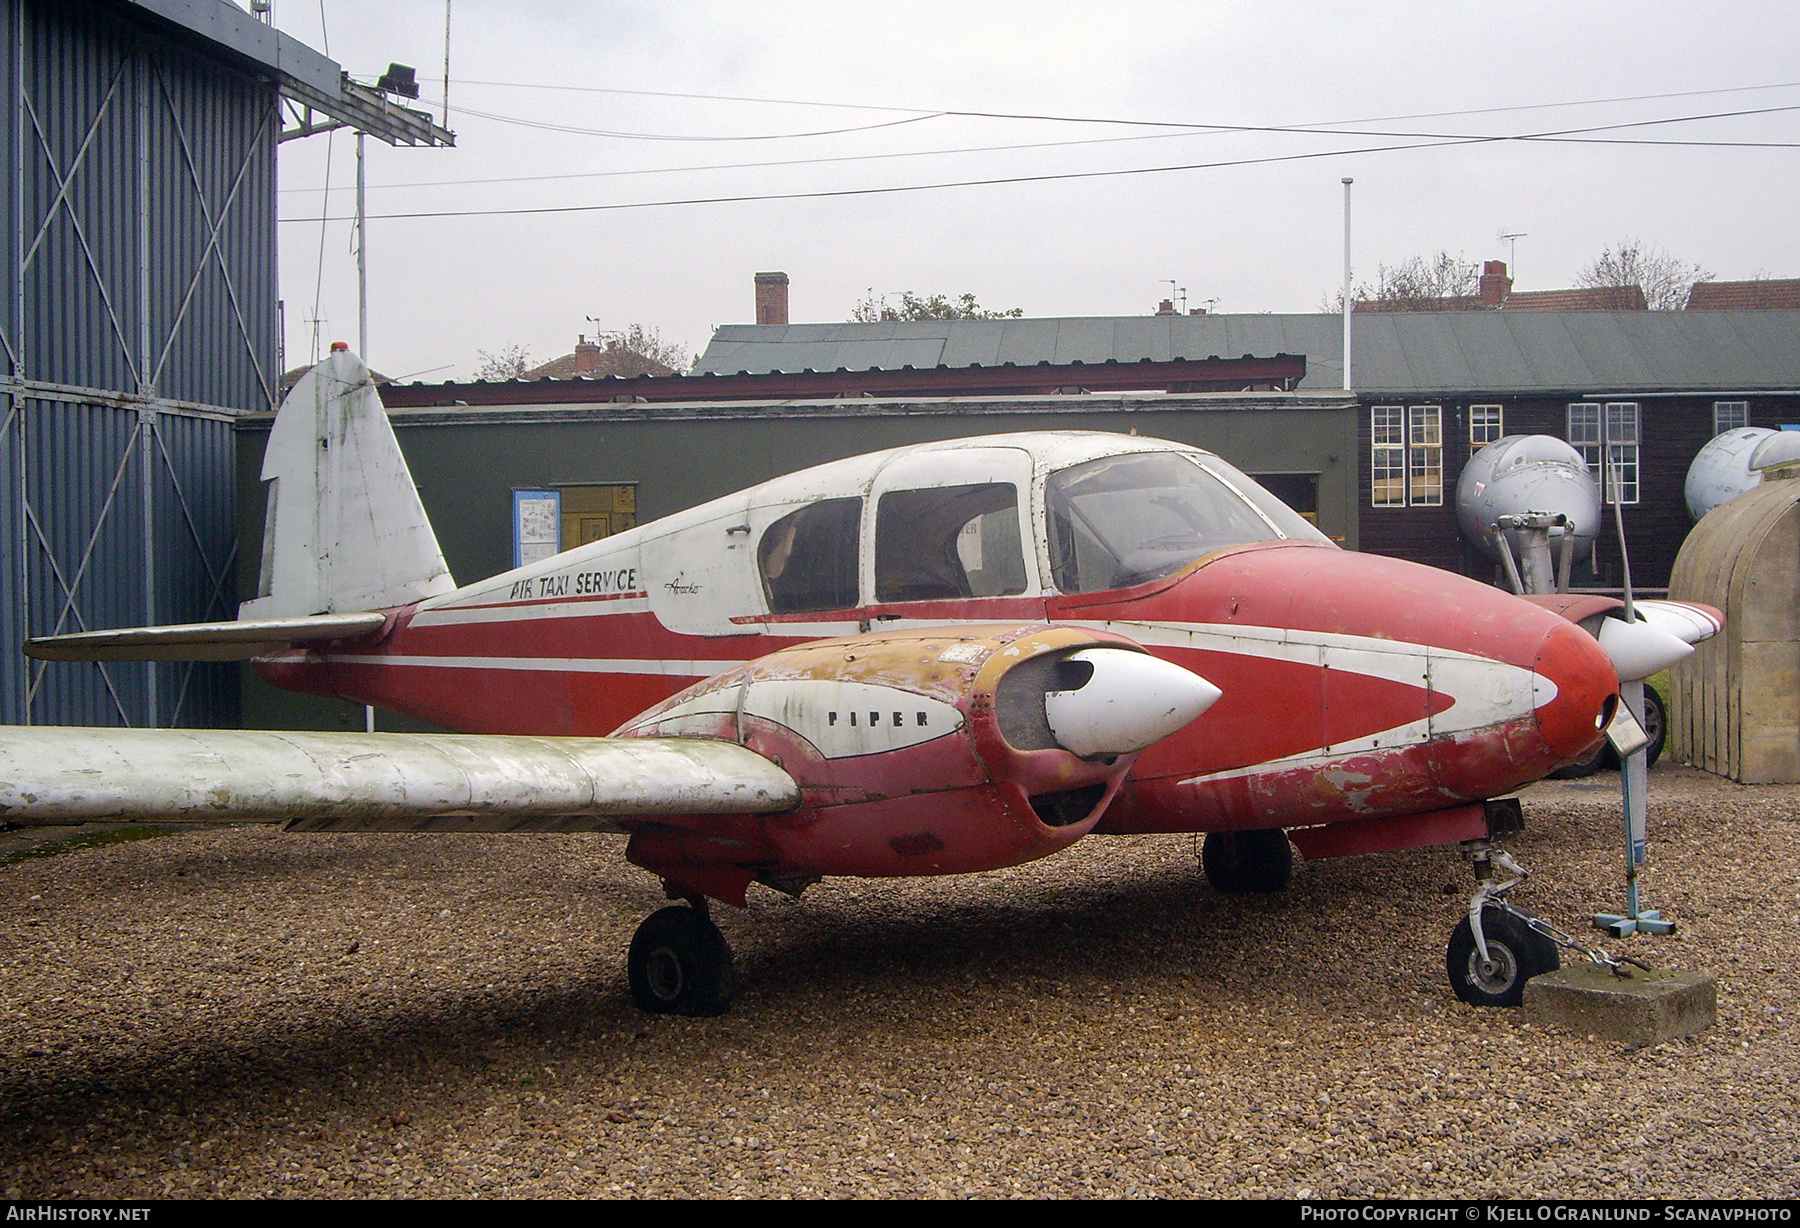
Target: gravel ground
x=241 y=1013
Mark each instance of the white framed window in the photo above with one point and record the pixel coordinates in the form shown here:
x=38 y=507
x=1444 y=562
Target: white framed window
x=1730 y=415
x=1485 y=426
x=1609 y=432
x=1387 y=456
x=1406 y=456
x=1425 y=455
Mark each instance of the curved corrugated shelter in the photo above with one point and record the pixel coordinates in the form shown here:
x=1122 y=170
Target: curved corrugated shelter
x=1735 y=707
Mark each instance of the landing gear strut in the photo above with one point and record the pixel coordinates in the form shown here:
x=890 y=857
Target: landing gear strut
x=1240 y=861
x=1496 y=948
x=680 y=964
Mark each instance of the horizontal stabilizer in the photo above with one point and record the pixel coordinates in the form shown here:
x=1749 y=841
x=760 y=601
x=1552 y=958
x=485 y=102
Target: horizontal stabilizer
x=233 y=641
x=375 y=781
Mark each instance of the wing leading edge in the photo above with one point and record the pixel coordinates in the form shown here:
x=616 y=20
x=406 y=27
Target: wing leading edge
x=376 y=782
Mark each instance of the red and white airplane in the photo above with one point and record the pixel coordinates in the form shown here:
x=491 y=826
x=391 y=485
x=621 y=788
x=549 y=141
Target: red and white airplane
x=936 y=659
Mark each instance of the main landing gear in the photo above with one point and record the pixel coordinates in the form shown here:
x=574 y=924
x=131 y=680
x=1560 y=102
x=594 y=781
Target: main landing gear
x=1496 y=948
x=680 y=964
x=1656 y=724
x=1247 y=861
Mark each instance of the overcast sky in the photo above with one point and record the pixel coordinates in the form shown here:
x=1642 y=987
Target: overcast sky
x=558 y=104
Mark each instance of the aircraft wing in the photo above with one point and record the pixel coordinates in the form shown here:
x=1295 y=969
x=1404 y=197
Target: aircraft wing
x=376 y=782
x=232 y=641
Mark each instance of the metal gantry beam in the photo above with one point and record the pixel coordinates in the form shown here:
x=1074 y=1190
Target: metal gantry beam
x=362 y=108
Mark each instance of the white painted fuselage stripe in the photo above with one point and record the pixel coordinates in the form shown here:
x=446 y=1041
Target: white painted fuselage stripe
x=453 y=616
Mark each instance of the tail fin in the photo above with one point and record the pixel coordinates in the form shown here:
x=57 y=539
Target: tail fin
x=345 y=530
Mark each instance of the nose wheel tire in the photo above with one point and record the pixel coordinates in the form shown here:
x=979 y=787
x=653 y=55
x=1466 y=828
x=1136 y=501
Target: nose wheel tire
x=680 y=964
x=1247 y=861
x=1516 y=953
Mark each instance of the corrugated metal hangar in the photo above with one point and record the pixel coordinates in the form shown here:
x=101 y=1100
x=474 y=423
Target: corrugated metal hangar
x=139 y=318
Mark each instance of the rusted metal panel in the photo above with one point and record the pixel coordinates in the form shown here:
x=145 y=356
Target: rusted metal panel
x=1380 y=835
x=1277 y=371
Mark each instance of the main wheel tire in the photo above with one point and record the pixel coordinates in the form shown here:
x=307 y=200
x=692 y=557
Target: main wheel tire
x=680 y=964
x=1517 y=953
x=1255 y=861
x=1656 y=724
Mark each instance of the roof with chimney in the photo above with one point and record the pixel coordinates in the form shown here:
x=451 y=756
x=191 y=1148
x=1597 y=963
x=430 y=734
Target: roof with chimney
x=1497 y=294
x=594 y=361
x=1760 y=294
x=1402 y=354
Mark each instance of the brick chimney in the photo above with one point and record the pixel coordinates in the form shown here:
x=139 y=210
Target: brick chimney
x=771 y=298
x=1495 y=284
x=1166 y=307
x=587 y=356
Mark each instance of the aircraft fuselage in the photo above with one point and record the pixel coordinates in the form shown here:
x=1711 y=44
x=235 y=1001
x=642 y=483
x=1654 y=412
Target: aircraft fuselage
x=1354 y=686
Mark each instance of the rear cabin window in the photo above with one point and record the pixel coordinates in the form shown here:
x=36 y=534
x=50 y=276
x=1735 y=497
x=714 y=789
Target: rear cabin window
x=948 y=542
x=1125 y=520
x=808 y=558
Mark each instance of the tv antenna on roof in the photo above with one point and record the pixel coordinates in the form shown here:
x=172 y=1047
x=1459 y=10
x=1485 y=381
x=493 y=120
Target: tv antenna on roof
x=1512 y=250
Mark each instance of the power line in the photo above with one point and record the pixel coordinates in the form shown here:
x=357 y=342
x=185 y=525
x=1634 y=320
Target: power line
x=1372 y=119
x=1424 y=141
x=1320 y=129
x=655 y=136
x=1309 y=128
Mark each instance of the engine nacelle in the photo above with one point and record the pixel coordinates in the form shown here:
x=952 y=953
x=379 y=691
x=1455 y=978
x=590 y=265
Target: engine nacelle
x=935 y=751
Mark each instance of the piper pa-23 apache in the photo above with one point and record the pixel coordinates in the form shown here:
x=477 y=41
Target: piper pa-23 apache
x=937 y=659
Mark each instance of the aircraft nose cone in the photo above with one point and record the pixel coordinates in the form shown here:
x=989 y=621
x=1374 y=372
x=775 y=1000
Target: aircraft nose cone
x=1128 y=701
x=1576 y=684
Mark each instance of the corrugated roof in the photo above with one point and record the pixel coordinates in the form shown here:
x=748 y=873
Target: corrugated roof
x=1440 y=353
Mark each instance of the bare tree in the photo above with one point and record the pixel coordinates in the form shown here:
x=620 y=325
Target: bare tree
x=912 y=306
x=1664 y=279
x=1439 y=282
x=511 y=362
x=646 y=342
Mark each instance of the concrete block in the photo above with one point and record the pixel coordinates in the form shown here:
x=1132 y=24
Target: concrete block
x=1639 y=1009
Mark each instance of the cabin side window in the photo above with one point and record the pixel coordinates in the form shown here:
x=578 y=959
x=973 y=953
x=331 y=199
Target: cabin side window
x=947 y=542
x=808 y=558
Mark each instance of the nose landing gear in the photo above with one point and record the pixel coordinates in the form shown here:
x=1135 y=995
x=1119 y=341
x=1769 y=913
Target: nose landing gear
x=1515 y=953
x=1496 y=948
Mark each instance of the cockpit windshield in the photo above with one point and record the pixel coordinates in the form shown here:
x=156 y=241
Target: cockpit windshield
x=1125 y=520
